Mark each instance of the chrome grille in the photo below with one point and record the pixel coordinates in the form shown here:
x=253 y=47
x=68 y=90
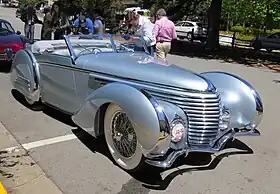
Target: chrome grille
x=202 y=110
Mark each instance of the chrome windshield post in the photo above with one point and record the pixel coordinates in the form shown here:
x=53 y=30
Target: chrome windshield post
x=70 y=48
x=113 y=42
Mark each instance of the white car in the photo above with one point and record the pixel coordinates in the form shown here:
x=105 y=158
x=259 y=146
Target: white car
x=270 y=42
x=184 y=30
x=10 y=3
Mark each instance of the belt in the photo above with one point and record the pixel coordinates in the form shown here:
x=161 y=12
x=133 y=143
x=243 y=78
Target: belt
x=162 y=41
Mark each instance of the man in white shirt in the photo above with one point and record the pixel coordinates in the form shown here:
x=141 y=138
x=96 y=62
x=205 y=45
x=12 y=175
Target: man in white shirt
x=143 y=26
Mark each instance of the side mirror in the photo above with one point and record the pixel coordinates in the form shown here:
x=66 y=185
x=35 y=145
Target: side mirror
x=8 y=54
x=18 y=33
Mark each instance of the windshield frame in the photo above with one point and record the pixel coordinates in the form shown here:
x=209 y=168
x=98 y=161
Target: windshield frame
x=8 y=25
x=74 y=56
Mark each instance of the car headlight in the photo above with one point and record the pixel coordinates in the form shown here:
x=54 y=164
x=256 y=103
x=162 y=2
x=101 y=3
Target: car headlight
x=177 y=130
x=224 y=119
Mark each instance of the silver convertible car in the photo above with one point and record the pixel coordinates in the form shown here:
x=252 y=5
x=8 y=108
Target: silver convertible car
x=150 y=111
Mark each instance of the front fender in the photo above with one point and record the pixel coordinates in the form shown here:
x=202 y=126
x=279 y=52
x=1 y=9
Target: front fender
x=133 y=101
x=239 y=97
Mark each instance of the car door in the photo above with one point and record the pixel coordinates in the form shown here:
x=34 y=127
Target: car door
x=187 y=28
x=179 y=29
x=57 y=80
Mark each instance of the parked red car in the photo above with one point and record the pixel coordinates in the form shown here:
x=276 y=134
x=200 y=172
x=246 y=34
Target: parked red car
x=9 y=39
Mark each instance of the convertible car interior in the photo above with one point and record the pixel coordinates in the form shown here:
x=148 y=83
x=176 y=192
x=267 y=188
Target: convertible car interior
x=59 y=47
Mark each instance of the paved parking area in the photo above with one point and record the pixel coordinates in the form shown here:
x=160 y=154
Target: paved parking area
x=78 y=163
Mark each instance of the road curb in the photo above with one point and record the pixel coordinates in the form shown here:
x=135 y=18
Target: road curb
x=2 y=189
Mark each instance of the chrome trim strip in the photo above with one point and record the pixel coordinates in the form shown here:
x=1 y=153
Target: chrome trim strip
x=168 y=162
x=253 y=132
x=35 y=71
x=163 y=121
x=164 y=139
x=148 y=85
x=113 y=78
x=70 y=48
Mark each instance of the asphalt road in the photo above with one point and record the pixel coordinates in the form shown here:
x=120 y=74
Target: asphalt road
x=80 y=166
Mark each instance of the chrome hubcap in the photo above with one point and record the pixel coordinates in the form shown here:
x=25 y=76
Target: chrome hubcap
x=123 y=135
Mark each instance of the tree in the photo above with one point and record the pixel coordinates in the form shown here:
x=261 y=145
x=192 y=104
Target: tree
x=214 y=17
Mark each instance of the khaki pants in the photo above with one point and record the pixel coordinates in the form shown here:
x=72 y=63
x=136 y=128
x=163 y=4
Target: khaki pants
x=162 y=49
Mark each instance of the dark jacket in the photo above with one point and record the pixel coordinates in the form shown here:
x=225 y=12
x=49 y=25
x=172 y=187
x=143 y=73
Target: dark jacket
x=24 y=18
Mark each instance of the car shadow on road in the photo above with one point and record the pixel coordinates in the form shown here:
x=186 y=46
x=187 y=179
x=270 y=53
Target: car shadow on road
x=246 y=56
x=51 y=112
x=5 y=67
x=151 y=177
x=201 y=161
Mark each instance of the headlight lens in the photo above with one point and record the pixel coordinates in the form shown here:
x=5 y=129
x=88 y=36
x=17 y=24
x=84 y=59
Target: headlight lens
x=177 y=131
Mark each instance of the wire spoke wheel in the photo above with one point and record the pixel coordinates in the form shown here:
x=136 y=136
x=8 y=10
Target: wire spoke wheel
x=123 y=134
x=121 y=138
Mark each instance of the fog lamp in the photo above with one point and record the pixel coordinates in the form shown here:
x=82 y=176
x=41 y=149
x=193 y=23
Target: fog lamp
x=225 y=119
x=177 y=132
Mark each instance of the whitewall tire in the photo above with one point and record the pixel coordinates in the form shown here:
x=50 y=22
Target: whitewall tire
x=121 y=139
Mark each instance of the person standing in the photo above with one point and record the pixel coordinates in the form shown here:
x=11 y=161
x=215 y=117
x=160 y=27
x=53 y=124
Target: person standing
x=83 y=24
x=164 y=31
x=144 y=27
x=29 y=17
x=59 y=21
x=46 y=30
x=98 y=23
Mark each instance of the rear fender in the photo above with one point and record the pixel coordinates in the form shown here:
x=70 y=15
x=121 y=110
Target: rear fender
x=243 y=101
x=25 y=75
x=133 y=101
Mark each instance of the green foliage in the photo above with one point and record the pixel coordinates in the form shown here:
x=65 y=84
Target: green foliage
x=255 y=13
x=239 y=29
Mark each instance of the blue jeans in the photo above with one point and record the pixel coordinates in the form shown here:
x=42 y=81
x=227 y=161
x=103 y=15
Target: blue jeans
x=151 y=49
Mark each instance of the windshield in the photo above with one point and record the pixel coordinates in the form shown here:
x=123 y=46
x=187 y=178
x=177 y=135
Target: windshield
x=93 y=44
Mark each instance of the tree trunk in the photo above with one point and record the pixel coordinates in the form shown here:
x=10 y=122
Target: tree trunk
x=214 y=24
x=228 y=22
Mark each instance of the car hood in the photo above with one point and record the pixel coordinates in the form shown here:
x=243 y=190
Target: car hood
x=142 y=67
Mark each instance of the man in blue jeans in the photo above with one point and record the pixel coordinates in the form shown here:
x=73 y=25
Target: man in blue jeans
x=83 y=24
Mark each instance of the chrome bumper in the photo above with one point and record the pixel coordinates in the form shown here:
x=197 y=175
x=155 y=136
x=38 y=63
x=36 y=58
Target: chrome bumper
x=3 y=57
x=170 y=157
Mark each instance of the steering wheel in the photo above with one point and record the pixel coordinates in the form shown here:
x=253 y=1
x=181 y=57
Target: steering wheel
x=90 y=49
